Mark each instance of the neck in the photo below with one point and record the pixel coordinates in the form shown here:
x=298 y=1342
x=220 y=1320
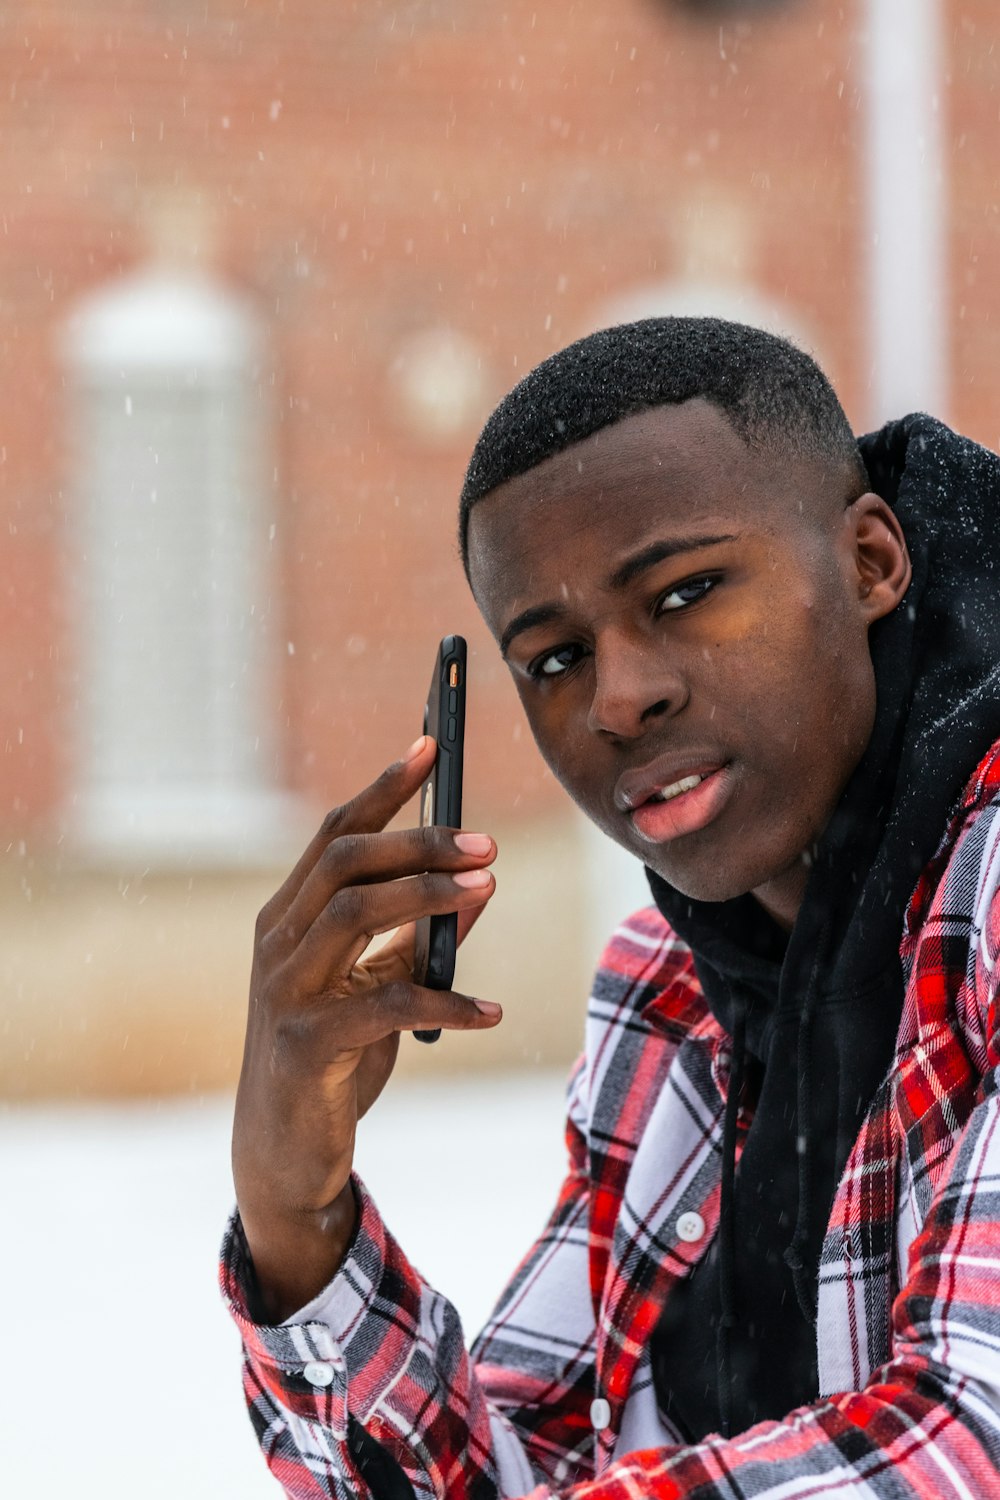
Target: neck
x=782 y=896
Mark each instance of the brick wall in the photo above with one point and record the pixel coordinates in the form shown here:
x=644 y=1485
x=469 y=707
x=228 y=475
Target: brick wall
x=367 y=172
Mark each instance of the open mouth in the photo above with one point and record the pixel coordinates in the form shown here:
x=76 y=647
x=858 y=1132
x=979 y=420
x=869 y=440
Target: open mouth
x=675 y=789
x=684 y=806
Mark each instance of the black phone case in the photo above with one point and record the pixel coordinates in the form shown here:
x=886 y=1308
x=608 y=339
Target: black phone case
x=441 y=803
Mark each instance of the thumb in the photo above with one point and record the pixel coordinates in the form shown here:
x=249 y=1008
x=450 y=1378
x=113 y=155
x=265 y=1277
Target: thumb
x=393 y=959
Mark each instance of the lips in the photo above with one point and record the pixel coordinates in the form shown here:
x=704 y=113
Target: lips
x=671 y=797
x=633 y=788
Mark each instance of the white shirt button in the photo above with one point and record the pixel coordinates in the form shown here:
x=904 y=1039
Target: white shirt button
x=690 y=1227
x=318 y=1373
x=600 y=1414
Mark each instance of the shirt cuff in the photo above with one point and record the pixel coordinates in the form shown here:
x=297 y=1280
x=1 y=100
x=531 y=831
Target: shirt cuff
x=356 y=1327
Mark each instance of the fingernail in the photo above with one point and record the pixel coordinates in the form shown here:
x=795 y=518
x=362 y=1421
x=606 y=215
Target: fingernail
x=471 y=878
x=474 y=843
x=488 y=1007
x=415 y=749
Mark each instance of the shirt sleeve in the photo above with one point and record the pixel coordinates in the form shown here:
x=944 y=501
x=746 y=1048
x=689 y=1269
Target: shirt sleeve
x=381 y=1351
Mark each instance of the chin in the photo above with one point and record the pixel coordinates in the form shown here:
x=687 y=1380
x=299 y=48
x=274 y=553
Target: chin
x=710 y=880
x=707 y=887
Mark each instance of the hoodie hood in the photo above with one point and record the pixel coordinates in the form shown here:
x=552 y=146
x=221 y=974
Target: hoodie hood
x=814 y=1015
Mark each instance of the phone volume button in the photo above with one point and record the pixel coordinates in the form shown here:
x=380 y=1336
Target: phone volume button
x=451 y=729
x=452 y=702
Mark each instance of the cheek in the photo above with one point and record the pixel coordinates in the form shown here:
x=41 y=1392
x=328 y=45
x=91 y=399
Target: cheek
x=800 y=675
x=831 y=690
x=545 y=727
x=565 y=745
x=843 y=665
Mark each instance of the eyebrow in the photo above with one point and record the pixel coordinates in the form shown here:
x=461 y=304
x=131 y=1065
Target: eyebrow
x=640 y=562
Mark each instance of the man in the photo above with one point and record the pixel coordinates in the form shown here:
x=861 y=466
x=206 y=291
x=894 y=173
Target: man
x=765 y=660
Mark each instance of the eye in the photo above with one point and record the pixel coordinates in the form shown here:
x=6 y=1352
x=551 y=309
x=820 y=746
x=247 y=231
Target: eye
x=683 y=594
x=555 y=663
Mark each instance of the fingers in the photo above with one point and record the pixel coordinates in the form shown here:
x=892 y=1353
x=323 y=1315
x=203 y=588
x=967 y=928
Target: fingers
x=366 y=858
x=355 y=913
x=394 y=960
x=466 y=921
x=369 y=811
x=361 y=1019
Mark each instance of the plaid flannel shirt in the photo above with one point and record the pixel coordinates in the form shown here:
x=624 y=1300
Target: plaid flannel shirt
x=556 y=1398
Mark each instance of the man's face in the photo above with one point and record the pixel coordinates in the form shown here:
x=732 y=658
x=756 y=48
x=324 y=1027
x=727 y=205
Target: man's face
x=685 y=622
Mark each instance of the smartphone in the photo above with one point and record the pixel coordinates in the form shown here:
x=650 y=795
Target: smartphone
x=441 y=803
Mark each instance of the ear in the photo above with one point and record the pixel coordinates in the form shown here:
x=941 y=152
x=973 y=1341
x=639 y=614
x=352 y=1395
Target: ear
x=879 y=557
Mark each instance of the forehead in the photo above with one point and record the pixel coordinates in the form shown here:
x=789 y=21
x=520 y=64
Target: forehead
x=672 y=468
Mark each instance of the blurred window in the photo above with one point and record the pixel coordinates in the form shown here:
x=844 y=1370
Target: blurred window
x=169 y=561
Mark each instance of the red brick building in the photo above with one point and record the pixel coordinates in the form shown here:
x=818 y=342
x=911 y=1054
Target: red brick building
x=408 y=205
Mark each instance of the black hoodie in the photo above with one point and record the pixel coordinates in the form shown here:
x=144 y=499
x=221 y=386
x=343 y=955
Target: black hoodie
x=814 y=1016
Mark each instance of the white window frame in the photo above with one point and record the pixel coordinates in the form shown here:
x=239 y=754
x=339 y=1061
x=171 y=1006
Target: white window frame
x=171 y=583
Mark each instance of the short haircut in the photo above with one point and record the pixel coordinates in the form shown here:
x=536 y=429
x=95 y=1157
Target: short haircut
x=773 y=394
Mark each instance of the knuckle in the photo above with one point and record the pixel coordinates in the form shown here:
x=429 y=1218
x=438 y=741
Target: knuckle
x=432 y=888
x=277 y=939
x=265 y=943
x=441 y=841
x=294 y=1035
x=390 y=775
x=343 y=853
x=335 y=821
x=349 y=905
x=433 y=840
x=396 y=997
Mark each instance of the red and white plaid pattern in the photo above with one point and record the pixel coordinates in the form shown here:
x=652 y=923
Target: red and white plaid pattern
x=909 y=1289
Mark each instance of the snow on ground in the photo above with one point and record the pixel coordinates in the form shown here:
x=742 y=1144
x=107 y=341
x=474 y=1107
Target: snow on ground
x=119 y=1371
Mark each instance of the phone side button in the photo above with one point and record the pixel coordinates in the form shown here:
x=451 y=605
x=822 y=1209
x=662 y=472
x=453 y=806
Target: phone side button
x=452 y=702
x=451 y=729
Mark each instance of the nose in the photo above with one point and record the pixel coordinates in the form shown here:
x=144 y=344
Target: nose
x=634 y=684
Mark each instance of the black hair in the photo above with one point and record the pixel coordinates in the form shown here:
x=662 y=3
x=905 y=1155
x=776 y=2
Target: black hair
x=773 y=394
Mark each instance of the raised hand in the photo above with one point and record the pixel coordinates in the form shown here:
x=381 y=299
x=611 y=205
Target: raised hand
x=324 y=1022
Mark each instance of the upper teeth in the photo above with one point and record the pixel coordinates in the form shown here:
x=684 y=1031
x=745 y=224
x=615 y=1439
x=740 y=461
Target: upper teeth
x=686 y=784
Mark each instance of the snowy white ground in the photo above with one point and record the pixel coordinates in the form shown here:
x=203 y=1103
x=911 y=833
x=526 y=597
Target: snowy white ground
x=118 y=1364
